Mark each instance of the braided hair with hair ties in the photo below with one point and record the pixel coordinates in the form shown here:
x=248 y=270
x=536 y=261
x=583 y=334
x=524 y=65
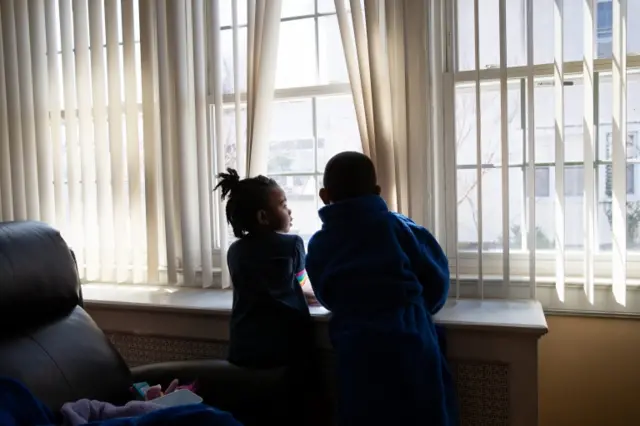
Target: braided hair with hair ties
x=245 y=197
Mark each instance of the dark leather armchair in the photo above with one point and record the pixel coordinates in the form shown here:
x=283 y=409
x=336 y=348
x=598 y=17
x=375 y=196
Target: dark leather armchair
x=50 y=343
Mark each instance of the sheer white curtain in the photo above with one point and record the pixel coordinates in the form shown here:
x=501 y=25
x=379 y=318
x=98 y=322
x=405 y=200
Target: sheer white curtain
x=263 y=26
x=105 y=129
x=263 y=33
x=387 y=48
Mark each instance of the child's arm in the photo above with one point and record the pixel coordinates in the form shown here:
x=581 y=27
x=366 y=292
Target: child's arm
x=314 y=271
x=301 y=273
x=429 y=261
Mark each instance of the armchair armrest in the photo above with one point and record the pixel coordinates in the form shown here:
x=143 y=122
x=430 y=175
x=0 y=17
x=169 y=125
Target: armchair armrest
x=252 y=396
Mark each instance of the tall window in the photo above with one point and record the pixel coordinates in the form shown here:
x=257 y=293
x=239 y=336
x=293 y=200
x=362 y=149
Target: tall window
x=522 y=135
x=313 y=115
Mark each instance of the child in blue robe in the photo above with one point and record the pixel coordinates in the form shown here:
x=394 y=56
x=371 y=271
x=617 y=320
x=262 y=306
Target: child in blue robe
x=383 y=277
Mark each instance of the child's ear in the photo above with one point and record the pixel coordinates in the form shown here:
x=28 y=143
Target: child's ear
x=262 y=217
x=324 y=196
x=378 y=190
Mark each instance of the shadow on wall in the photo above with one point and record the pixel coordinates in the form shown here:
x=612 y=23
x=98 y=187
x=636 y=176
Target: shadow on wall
x=590 y=372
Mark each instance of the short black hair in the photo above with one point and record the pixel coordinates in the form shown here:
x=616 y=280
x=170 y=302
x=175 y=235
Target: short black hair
x=245 y=198
x=349 y=175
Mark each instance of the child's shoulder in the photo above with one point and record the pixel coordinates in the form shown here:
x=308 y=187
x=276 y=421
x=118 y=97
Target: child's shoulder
x=274 y=241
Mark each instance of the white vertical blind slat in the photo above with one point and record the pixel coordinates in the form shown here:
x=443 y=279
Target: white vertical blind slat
x=558 y=80
x=446 y=12
x=116 y=153
x=77 y=236
x=504 y=138
x=12 y=80
x=240 y=146
x=479 y=171
x=166 y=94
x=219 y=131
x=27 y=110
x=437 y=58
x=251 y=67
x=148 y=61
x=55 y=122
x=619 y=153
x=186 y=156
x=136 y=222
x=589 y=12
x=203 y=168
x=44 y=152
x=531 y=152
x=430 y=201
x=267 y=27
x=85 y=127
x=101 y=149
x=6 y=199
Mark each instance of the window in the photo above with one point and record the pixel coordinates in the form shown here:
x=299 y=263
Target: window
x=313 y=116
x=604 y=29
x=542 y=182
x=573 y=181
x=507 y=128
x=632 y=154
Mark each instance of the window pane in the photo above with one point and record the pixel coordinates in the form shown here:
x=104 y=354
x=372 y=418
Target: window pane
x=542 y=184
x=545 y=208
x=604 y=233
x=226 y=44
x=633 y=27
x=291 y=8
x=333 y=66
x=544 y=37
x=292 y=142
x=545 y=117
x=226 y=10
x=490 y=115
x=604 y=29
x=301 y=198
x=337 y=128
x=573 y=207
x=230 y=134
x=574 y=181
x=297 y=54
x=492 y=209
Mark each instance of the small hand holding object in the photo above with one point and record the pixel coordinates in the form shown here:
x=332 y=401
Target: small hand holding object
x=156 y=391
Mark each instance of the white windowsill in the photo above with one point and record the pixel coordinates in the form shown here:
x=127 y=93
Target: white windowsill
x=509 y=315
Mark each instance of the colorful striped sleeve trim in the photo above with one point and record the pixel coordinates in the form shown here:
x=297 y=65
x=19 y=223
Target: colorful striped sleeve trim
x=302 y=277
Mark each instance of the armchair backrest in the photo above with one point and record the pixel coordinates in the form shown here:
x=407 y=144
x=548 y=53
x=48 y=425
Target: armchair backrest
x=47 y=341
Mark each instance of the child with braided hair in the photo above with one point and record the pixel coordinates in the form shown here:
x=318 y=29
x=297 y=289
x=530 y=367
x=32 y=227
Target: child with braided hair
x=270 y=322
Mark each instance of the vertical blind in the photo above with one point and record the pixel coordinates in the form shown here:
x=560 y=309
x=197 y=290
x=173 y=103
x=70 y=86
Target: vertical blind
x=509 y=268
x=110 y=113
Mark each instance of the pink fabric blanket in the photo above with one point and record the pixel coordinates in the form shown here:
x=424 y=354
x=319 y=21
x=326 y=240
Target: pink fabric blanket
x=84 y=411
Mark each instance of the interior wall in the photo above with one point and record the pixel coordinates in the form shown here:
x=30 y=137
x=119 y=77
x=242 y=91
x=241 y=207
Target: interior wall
x=590 y=372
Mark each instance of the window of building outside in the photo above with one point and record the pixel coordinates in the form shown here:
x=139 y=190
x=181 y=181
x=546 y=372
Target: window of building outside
x=489 y=159
x=313 y=116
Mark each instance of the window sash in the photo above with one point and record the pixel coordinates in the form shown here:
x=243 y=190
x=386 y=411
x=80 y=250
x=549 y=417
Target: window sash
x=545 y=264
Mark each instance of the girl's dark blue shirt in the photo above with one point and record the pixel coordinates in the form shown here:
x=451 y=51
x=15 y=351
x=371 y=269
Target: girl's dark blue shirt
x=270 y=322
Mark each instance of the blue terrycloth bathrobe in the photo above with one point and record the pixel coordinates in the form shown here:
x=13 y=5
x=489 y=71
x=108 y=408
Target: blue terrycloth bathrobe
x=383 y=277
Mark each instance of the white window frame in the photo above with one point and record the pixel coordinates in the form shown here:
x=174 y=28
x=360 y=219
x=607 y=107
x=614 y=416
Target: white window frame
x=464 y=264
x=312 y=93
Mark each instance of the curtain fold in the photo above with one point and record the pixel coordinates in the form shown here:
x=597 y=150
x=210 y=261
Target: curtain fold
x=262 y=54
x=390 y=91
